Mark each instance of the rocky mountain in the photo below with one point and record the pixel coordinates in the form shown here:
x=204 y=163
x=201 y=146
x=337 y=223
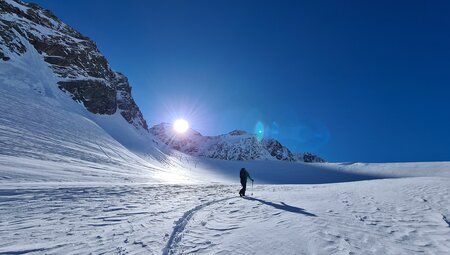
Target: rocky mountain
x=82 y=71
x=79 y=69
x=309 y=158
x=236 y=145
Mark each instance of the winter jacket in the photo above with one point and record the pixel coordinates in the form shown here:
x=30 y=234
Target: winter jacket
x=244 y=175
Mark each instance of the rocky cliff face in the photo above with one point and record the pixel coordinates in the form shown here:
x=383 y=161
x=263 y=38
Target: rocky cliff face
x=310 y=158
x=236 y=145
x=83 y=72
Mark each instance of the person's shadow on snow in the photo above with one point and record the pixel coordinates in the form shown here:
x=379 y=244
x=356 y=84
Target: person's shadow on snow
x=283 y=206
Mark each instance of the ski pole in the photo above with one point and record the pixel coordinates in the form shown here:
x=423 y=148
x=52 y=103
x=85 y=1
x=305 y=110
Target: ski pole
x=252 y=188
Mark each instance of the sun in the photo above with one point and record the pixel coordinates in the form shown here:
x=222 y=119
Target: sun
x=180 y=125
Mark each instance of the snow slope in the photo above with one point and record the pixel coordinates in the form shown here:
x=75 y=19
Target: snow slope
x=45 y=136
x=40 y=126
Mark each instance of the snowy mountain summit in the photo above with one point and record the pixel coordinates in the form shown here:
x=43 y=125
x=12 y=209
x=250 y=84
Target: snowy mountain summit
x=82 y=71
x=236 y=145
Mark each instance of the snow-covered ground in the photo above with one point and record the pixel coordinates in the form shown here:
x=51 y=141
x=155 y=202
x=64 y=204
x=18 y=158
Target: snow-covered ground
x=401 y=216
x=60 y=194
x=396 y=216
x=72 y=182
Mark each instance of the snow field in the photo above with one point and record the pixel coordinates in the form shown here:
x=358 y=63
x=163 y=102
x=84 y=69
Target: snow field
x=99 y=220
x=397 y=216
x=402 y=216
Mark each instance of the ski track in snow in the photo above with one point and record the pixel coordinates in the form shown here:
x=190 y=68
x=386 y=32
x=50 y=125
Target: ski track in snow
x=403 y=216
x=113 y=220
x=181 y=223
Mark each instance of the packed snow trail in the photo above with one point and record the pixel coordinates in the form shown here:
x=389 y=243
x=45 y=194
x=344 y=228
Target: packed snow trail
x=182 y=222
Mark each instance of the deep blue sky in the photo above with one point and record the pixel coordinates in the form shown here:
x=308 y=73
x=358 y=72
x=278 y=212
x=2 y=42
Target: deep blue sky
x=348 y=80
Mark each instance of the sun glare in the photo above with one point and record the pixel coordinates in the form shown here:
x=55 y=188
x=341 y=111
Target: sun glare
x=180 y=126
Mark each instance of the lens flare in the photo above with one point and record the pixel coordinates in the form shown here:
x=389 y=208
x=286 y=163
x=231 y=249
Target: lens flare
x=259 y=131
x=180 y=125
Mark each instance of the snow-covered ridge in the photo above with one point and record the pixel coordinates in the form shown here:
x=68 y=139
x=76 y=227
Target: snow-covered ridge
x=81 y=69
x=236 y=145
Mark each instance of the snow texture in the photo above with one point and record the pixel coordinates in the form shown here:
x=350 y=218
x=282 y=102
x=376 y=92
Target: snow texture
x=395 y=216
x=75 y=182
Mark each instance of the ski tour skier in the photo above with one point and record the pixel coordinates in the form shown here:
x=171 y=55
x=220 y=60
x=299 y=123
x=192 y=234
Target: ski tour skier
x=244 y=175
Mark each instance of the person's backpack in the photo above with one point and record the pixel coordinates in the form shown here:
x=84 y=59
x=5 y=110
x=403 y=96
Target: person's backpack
x=242 y=174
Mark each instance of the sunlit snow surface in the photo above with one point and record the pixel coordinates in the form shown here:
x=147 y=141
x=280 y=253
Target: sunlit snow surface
x=72 y=182
x=397 y=216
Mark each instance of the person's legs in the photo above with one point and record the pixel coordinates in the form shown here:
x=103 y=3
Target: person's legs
x=244 y=187
x=241 y=190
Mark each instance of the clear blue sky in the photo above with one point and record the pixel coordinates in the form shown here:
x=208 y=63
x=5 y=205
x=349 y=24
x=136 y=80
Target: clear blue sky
x=348 y=80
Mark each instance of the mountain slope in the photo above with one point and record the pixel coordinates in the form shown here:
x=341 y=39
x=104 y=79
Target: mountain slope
x=81 y=70
x=47 y=136
x=236 y=145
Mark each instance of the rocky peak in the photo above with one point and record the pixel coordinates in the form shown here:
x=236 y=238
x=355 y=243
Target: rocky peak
x=278 y=151
x=309 y=157
x=83 y=71
x=166 y=129
x=237 y=132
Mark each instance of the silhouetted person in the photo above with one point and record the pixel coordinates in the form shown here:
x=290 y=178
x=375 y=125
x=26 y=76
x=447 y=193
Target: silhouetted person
x=244 y=175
